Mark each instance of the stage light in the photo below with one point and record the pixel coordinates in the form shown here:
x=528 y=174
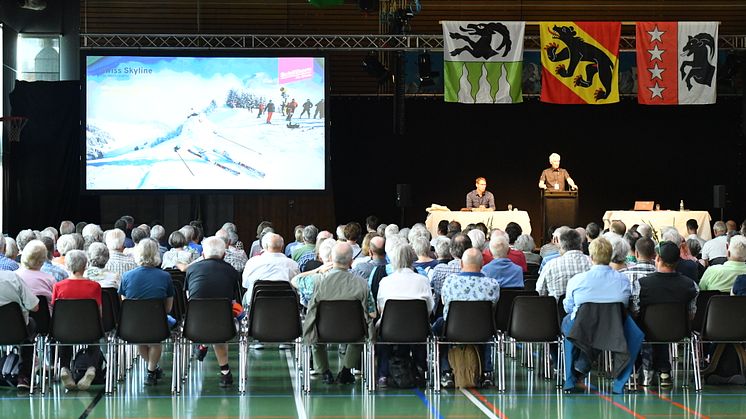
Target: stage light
x=424 y=67
x=374 y=68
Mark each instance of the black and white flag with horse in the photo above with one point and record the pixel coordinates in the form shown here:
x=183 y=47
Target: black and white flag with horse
x=483 y=61
x=677 y=62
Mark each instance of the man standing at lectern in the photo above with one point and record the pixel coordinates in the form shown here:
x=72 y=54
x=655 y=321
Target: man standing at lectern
x=480 y=198
x=554 y=178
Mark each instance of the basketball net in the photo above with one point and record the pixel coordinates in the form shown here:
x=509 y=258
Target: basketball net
x=13 y=126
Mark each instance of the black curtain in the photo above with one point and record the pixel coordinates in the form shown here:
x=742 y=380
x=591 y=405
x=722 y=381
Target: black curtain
x=43 y=170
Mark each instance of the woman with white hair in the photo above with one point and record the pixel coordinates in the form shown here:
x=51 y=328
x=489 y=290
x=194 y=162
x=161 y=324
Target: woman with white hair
x=424 y=262
x=92 y=233
x=149 y=282
x=179 y=254
x=525 y=243
x=33 y=258
x=402 y=284
x=11 y=249
x=98 y=255
x=76 y=287
x=65 y=244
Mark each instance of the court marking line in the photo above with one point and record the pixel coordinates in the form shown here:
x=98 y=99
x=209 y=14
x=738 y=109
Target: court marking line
x=431 y=407
x=677 y=404
x=91 y=405
x=495 y=413
x=299 y=406
x=619 y=405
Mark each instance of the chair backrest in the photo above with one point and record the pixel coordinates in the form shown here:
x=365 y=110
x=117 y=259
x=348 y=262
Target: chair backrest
x=702 y=299
x=178 y=308
x=270 y=285
x=341 y=321
x=143 y=321
x=561 y=307
x=109 y=309
x=725 y=319
x=14 y=325
x=42 y=317
x=529 y=284
x=666 y=322
x=534 y=319
x=405 y=321
x=469 y=322
x=505 y=303
x=76 y=321
x=274 y=316
x=533 y=270
x=209 y=320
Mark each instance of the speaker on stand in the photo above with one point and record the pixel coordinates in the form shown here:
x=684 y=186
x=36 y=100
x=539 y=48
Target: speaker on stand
x=403 y=199
x=718 y=198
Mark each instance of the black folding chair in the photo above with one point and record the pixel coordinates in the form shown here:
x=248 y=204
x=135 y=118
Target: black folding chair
x=668 y=323
x=534 y=319
x=502 y=312
x=341 y=321
x=406 y=322
x=468 y=322
x=78 y=322
x=724 y=322
x=143 y=322
x=274 y=317
x=15 y=333
x=207 y=320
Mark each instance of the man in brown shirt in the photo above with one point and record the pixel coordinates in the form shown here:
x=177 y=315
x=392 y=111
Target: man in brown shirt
x=554 y=178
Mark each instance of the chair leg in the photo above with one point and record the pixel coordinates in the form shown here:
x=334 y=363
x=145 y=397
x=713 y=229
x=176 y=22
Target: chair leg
x=436 y=365
x=501 y=363
x=306 y=368
x=528 y=350
x=695 y=364
x=560 y=361
x=34 y=363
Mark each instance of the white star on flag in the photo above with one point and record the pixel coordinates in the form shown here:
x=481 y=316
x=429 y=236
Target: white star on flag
x=655 y=34
x=656 y=91
x=655 y=72
x=656 y=54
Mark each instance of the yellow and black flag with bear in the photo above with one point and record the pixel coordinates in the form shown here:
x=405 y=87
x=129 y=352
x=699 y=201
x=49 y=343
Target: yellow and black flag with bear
x=580 y=62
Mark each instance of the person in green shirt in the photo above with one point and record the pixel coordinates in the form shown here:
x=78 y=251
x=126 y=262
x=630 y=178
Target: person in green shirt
x=722 y=277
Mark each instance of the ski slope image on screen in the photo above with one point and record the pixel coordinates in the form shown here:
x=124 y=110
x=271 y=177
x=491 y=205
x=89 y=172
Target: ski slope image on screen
x=224 y=123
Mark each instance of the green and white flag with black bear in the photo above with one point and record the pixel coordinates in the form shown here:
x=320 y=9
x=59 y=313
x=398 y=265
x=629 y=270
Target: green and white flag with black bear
x=483 y=61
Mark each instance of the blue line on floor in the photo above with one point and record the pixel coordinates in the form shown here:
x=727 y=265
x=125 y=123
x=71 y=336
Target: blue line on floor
x=427 y=403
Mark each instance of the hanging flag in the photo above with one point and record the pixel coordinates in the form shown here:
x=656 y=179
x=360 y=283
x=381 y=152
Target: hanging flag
x=483 y=61
x=580 y=62
x=677 y=62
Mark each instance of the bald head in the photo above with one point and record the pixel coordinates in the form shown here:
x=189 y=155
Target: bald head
x=342 y=255
x=272 y=243
x=377 y=247
x=471 y=260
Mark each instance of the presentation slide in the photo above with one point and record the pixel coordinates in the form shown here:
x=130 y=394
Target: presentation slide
x=204 y=123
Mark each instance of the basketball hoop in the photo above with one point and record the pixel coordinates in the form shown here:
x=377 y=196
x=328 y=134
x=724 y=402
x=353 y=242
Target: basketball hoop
x=13 y=126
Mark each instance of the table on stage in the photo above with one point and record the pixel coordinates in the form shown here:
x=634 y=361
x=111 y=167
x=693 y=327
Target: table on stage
x=493 y=219
x=659 y=219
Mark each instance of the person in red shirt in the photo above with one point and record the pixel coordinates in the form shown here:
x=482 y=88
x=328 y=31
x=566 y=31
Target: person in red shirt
x=79 y=288
x=515 y=256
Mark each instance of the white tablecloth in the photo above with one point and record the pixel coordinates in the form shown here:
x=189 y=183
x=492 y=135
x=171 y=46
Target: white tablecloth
x=493 y=219
x=660 y=219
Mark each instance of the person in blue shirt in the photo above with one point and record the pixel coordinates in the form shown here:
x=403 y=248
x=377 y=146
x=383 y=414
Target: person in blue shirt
x=601 y=284
x=507 y=273
x=148 y=282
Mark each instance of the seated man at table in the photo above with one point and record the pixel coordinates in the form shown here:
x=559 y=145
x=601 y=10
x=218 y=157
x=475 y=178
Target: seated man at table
x=480 y=199
x=601 y=284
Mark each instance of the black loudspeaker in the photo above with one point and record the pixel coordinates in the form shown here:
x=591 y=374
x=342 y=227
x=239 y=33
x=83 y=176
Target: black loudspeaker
x=718 y=196
x=403 y=195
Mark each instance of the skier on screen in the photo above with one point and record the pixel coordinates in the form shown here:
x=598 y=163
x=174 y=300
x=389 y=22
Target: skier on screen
x=270 y=110
x=307 y=105
x=319 y=109
x=261 y=109
x=290 y=110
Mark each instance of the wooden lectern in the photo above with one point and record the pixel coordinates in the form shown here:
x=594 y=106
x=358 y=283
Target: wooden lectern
x=558 y=208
